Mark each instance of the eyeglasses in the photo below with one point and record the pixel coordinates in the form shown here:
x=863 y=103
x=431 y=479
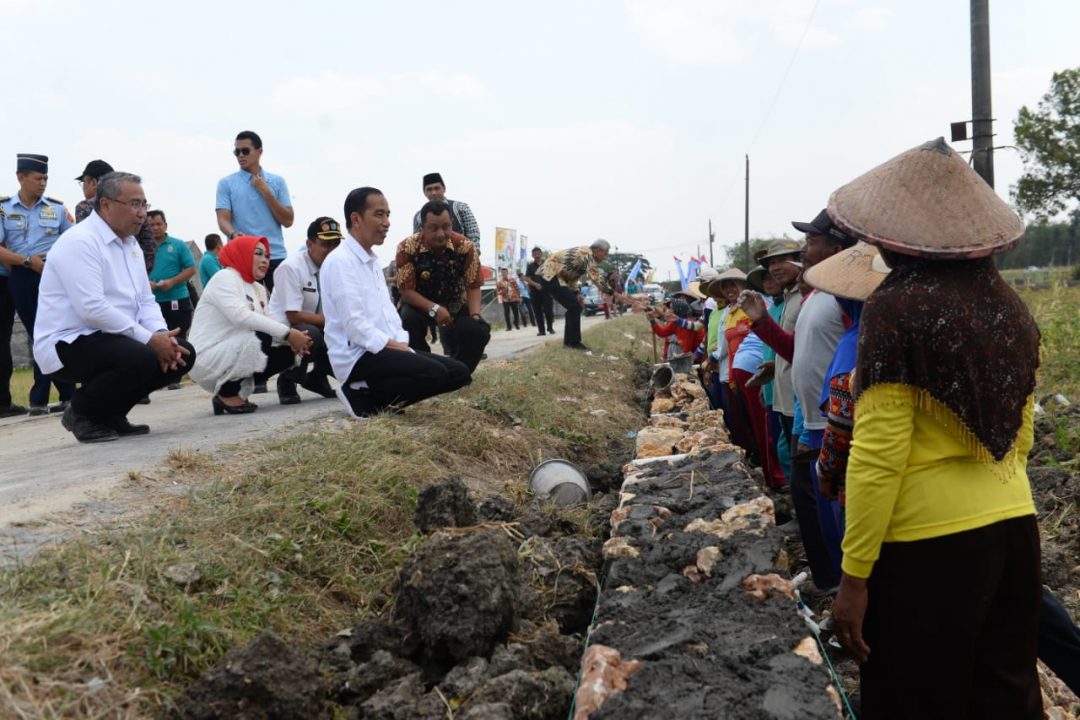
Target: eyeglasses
x=245 y=151
x=134 y=204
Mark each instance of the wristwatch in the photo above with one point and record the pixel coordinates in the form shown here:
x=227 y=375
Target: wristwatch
x=434 y=310
x=26 y=262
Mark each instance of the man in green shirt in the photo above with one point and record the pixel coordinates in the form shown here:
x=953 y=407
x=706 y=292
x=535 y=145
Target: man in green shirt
x=209 y=264
x=173 y=267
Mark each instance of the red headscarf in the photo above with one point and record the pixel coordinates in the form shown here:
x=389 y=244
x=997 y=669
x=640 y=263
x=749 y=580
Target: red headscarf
x=239 y=254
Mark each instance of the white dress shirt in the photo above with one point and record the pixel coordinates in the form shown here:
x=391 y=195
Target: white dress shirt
x=93 y=282
x=360 y=316
x=296 y=287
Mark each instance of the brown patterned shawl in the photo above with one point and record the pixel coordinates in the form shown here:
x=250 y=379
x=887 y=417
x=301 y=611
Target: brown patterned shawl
x=955 y=329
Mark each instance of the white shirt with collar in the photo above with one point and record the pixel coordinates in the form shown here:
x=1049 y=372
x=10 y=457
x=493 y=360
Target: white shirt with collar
x=360 y=315
x=93 y=282
x=296 y=287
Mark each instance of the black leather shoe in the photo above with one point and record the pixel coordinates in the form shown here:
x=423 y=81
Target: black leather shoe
x=577 y=346
x=259 y=388
x=541 y=333
x=59 y=407
x=124 y=428
x=221 y=408
x=86 y=430
x=286 y=391
x=318 y=385
x=144 y=401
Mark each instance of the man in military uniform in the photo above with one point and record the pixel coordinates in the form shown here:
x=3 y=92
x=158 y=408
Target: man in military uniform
x=30 y=225
x=438 y=273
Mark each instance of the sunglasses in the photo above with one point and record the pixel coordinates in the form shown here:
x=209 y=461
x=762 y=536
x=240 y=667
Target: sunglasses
x=245 y=151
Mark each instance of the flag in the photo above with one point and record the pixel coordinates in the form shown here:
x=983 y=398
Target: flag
x=634 y=271
x=692 y=270
x=683 y=282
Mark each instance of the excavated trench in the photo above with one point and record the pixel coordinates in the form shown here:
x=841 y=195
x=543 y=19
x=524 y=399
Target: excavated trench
x=528 y=613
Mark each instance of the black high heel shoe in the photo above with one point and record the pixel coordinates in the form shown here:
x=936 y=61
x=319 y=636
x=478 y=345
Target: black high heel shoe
x=221 y=408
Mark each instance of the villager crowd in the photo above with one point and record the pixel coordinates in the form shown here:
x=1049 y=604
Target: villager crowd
x=881 y=371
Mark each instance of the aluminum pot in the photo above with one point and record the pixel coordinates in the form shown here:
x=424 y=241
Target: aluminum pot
x=560 y=481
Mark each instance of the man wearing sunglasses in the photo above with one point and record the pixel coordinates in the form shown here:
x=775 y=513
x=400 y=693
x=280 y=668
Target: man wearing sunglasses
x=252 y=201
x=297 y=302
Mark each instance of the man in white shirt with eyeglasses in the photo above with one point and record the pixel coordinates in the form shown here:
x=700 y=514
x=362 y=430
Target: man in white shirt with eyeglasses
x=368 y=347
x=98 y=323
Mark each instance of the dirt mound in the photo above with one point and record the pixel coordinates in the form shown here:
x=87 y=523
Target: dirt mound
x=444 y=505
x=265 y=678
x=458 y=593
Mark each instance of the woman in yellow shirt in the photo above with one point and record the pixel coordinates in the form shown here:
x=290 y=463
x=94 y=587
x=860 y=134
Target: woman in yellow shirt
x=940 y=591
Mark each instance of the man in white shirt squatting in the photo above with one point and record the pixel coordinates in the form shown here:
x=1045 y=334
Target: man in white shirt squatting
x=368 y=347
x=98 y=323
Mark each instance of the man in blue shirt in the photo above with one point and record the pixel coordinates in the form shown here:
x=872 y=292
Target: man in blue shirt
x=209 y=263
x=252 y=201
x=29 y=225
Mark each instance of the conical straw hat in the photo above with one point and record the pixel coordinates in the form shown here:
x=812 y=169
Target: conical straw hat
x=927 y=202
x=853 y=273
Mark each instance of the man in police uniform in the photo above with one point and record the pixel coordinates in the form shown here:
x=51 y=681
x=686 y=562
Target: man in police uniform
x=30 y=225
x=297 y=302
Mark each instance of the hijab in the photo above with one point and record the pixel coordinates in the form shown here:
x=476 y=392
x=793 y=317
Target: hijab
x=239 y=254
x=956 y=331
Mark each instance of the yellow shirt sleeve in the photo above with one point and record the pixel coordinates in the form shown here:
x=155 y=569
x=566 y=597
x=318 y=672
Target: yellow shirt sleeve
x=915 y=474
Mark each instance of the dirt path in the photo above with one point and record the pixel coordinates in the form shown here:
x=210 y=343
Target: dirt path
x=44 y=471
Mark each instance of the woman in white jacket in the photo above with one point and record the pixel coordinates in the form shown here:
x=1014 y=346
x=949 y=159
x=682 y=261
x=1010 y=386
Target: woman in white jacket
x=233 y=336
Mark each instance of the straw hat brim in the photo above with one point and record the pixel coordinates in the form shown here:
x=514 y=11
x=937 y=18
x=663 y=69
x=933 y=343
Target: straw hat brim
x=692 y=292
x=756 y=277
x=853 y=273
x=927 y=202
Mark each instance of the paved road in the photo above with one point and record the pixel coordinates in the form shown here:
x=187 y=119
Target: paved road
x=44 y=471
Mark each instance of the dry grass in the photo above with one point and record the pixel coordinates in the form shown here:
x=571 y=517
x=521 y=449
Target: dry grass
x=302 y=535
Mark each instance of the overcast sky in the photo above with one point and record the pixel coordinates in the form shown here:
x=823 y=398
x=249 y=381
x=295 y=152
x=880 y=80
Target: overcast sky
x=568 y=121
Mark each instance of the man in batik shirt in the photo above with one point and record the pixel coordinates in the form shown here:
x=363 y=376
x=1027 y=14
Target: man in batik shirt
x=562 y=273
x=438 y=274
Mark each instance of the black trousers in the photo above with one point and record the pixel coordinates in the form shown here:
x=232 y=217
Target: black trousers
x=400 y=378
x=512 y=307
x=316 y=364
x=178 y=318
x=527 y=312
x=465 y=342
x=278 y=359
x=544 y=309
x=7 y=324
x=23 y=287
x=1059 y=641
x=569 y=300
x=115 y=372
x=952 y=623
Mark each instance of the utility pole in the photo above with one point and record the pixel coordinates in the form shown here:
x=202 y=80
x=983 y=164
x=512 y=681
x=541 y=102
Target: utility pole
x=712 y=238
x=746 y=222
x=982 y=125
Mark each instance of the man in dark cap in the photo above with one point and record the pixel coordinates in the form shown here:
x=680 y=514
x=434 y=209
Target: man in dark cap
x=297 y=302
x=461 y=215
x=89 y=180
x=438 y=274
x=30 y=225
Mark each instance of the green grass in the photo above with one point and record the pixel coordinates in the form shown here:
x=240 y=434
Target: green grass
x=21 y=382
x=1057 y=312
x=301 y=535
